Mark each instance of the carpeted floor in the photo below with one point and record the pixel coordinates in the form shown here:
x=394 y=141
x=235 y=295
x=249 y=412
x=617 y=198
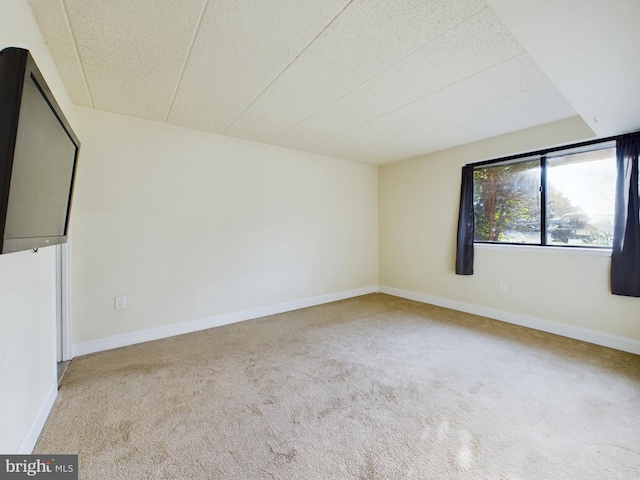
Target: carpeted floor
x=374 y=387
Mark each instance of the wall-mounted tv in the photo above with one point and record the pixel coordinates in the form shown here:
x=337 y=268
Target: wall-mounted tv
x=38 y=157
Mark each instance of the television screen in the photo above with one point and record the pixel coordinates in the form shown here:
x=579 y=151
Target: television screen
x=40 y=161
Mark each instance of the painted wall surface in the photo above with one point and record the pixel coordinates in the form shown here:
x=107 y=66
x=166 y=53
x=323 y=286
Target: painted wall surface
x=27 y=281
x=419 y=202
x=27 y=341
x=189 y=225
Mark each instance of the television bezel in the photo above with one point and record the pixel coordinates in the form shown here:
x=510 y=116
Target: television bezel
x=17 y=66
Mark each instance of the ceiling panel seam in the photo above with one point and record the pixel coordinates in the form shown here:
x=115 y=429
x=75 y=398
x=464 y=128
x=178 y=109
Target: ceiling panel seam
x=77 y=52
x=389 y=112
x=288 y=65
x=439 y=120
x=415 y=50
x=205 y=4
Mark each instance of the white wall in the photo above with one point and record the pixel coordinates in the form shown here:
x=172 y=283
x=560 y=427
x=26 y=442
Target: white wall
x=419 y=202
x=27 y=344
x=27 y=286
x=189 y=225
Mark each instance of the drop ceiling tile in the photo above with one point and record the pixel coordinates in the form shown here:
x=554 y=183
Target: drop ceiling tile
x=503 y=80
x=133 y=51
x=470 y=47
x=537 y=106
x=51 y=18
x=241 y=47
x=367 y=38
x=358 y=79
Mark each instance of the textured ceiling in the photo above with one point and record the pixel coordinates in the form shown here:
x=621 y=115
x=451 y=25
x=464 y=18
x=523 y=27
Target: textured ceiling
x=374 y=81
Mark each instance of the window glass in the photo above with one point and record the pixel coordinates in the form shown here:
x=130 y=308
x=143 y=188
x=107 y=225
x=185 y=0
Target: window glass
x=507 y=203
x=577 y=187
x=580 y=198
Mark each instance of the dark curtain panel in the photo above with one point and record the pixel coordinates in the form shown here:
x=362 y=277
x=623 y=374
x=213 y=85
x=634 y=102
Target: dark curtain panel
x=625 y=253
x=464 y=250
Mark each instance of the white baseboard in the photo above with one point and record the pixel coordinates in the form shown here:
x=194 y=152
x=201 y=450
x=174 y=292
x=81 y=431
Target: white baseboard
x=37 y=424
x=577 y=333
x=93 y=346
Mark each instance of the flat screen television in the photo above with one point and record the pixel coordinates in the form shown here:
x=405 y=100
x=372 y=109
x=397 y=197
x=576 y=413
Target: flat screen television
x=38 y=158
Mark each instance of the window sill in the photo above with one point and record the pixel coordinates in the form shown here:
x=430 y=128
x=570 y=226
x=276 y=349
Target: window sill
x=593 y=252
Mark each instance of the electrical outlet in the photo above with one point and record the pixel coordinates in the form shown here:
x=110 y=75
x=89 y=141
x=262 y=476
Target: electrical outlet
x=329 y=274
x=121 y=302
x=504 y=287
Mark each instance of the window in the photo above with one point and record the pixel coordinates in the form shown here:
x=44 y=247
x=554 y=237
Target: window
x=563 y=198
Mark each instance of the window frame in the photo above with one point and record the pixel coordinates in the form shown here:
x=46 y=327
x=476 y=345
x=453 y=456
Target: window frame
x=541 y=156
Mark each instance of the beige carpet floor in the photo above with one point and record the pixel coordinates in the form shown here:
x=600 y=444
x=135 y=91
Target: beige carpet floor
x=374 y=387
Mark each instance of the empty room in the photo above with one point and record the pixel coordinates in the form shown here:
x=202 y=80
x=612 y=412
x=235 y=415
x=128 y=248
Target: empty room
x=338 y=239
